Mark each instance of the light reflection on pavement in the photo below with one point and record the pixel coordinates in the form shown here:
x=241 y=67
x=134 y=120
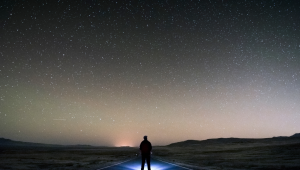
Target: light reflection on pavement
x=135 y=164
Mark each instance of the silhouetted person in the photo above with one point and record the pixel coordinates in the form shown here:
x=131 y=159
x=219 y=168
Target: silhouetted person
x=145 y=148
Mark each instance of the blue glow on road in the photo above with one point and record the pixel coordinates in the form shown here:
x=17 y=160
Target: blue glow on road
x=135 y=164
x=153 y=167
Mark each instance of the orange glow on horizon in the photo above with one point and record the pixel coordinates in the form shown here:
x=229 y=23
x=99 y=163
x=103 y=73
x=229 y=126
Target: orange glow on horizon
x=124 y=144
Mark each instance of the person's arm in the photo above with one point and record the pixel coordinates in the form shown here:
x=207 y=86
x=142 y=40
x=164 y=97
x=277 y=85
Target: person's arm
x=140 y=149
x=140 y=146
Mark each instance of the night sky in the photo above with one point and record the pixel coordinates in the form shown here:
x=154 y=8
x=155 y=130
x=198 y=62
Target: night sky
x=109 y=72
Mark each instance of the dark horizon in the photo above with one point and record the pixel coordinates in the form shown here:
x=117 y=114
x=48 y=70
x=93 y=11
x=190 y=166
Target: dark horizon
x=10 y=141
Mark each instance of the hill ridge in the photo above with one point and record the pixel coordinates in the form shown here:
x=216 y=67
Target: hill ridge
x=12 y=143
x=192 y=142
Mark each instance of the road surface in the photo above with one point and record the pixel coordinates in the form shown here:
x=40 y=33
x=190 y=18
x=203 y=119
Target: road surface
x=135 y=164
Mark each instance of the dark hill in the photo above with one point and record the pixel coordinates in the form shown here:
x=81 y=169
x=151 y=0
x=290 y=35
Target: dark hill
x=7 y=143
x=192 y=143
x=296 y=135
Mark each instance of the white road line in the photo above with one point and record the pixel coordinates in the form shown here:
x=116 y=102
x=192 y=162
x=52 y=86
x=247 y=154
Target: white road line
x=173 y=164
x=117 y=164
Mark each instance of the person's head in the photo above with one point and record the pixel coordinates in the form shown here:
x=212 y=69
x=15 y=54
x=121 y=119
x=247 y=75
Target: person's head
x=145 y=137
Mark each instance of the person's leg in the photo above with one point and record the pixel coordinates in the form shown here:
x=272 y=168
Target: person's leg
x=148 y=162
x=143 y=162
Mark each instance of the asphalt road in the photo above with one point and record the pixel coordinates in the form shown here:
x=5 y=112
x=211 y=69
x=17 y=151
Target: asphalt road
x=135 y=164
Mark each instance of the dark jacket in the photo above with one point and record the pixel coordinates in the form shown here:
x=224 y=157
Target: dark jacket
x=145 y=147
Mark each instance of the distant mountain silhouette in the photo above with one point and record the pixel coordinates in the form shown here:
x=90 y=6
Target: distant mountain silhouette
x=296 y=135
x=11 y=143
x=5 y=141
x=190 y=143
x=8 y=142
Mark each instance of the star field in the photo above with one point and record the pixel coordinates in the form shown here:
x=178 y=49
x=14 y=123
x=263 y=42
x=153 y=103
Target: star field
x=110 y=72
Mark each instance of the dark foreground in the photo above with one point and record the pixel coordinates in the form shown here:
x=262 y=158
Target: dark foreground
x=212 y=154
x=62 y=158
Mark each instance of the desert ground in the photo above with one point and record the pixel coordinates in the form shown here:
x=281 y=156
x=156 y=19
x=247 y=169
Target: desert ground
x=59 y=158
x=214 y=154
